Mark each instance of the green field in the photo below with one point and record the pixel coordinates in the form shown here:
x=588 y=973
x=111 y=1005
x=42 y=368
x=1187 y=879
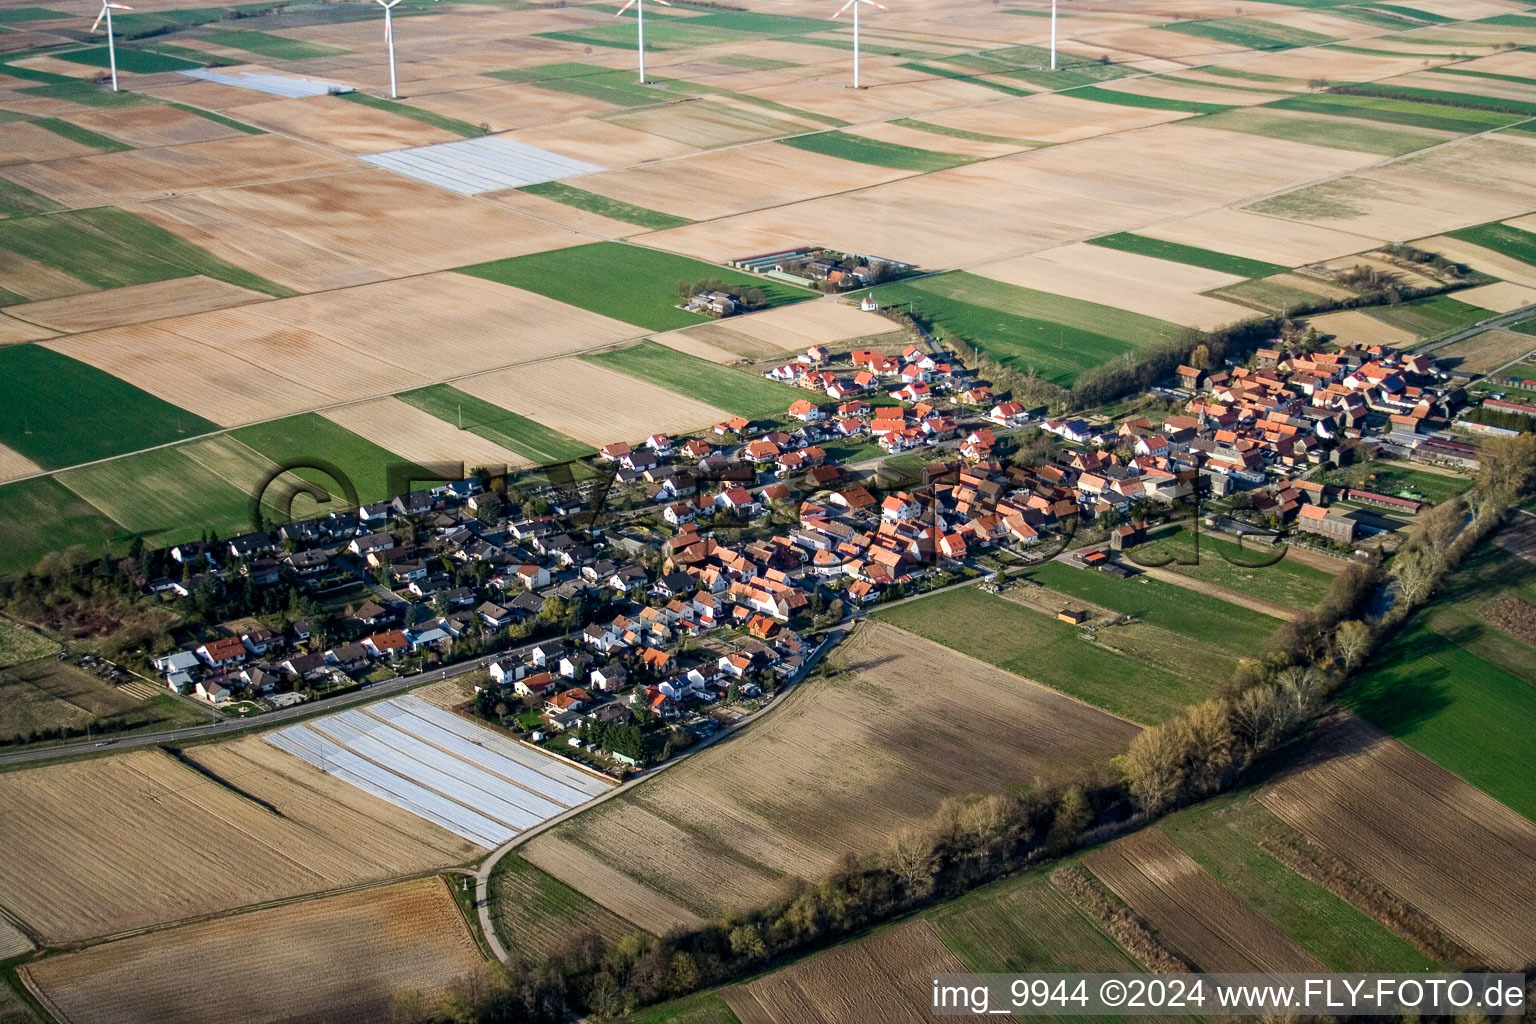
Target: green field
x=436 y=120
x=66 y=242
x=964 y=76
x=1195 y=257
x=164 y=495
x=962 y=133
x=151 y=238
x=1223 y=836
x=1055 y=336
x=59 y=412
x=744 y=394
x=1038 y=647
x=1461 y=711
x=1287 y=582
x=19 y=644
x=42 y=515
x=228 y=122
x=1405 y=112
x=704 y=1008
x=1247 y=33
x=1442 y=97
x=84 y=136
x=533 y=912
x=874 y=151
x=590 y=80
x=1356 y=136
x=1525 y=326
x=140 y=62
x=14 y=14
x=1432 y=317
x=267 y=45
x=604 y=207
x=1388 y=478
x=518 y=433
x=669 y=32
x=1268 y=294
x=309 y=436
x=16 y=201
x=626 y=282
x=1121 y=98
x=1202 y=618
x=1501 y=238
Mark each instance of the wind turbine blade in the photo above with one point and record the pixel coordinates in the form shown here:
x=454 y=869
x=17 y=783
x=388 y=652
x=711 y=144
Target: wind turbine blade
x=120 y=7
x=872 y=3
x=103 y=14
x=664 y=3
x=627 y=5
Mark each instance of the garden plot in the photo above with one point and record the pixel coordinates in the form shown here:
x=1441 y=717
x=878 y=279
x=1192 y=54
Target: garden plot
x=472 y=166
x=470 y=780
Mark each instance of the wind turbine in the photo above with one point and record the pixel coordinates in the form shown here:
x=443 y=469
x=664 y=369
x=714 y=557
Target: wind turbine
x=1053 y=35
x=106 y=12
x=855 y=4
x=639 y=6
x=389 y=37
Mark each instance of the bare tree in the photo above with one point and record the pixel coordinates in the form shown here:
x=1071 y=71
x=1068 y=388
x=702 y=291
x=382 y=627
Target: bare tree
x=1155 y=764
x=1352 y=640
x=1304 y=683
x=909 y=856
x=1415 y=572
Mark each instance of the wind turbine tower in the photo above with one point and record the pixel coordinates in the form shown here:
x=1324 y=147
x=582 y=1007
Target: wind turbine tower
x=389 y=37
x=106 y=12
x=639 y=6
x=855 y=4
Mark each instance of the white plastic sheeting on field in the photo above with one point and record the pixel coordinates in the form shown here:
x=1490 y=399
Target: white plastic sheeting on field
x=277 y=85
x=480 y=165
x=466 y=778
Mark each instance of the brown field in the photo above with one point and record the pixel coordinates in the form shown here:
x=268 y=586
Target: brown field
x=919 y=139
x=139 y=174
x=697 y=345
x=71 y=871
x=602 y=142
x=506 y=107
x=1124 y=280
x=264 y=360
x=1501 y=297
x=153 y=126
x=340 y=958
x=421 y=437
x=1485 y=352
x=1459 y=856
x=796 y=327
x=719 y=337
x=13 y=330
x=1409 y=278
x=539 y=208
x=1202 y=918
x=887 y=977
x=365 y=225
x=841 y=765
x=1352 y=326
x=12 y=943
x=338 y=123
x=46 y=694
x=559 y=392
x=536 y=915
x=23 y=142
x=34 y=280
x=1199 y=92
x=736 y=180
x=135 y=304
x=1260 y=237
x=1486 y=260
x=13 y=464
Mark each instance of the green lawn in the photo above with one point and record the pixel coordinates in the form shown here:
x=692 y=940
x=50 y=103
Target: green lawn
x=140 y=62
x=1357 y=136
x=1248 y=33
x=1392 y=111
x=874 y=151
x=84 y=136
x=267 y=45
x=1501 y=238
x=1055 y=336
x=1287 y=582
x=744 y=394
x=1432 y=317
x=42 y=515
x=59 y=412
x=604 y=206
x=1121 y=98
x=1223 y=836
x=436 y=120
x=1195 y=257
x=1038 y=647
x=1525 y=326
x=376 y=472
x=1387 y=478
x=518 y=433
x=1200 y=617
x=19 y=644
x=626 y=282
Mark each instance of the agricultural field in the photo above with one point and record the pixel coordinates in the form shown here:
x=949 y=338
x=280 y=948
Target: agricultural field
x=738 y=392
x=19 y=643
x=628 y=283
x=864 y=150
x=603 y=206
x=46 y=694
x=1054 y=336
x=75 y=874
x=1177 y=253
x=1334 y=132
x=536 y=913
x=854 y=756
x=1458 y=688
x=533 y=441
x=1486 y=352
x=1220 y=563
x=1432 y=317
x=307 y=438
x=42 y=515
x=1457 y=856
x=340 y=958
x=1146 y=683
